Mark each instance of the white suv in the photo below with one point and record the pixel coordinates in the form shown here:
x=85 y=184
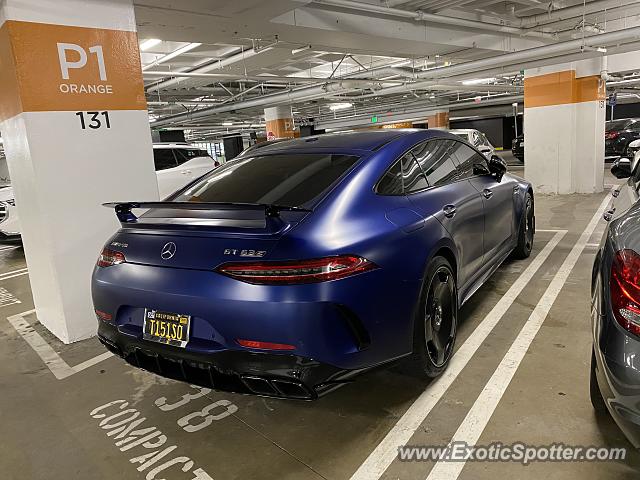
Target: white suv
x=177 y=164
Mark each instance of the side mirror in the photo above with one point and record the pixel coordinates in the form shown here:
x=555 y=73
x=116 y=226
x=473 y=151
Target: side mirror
x=497 y=166
x=621 y=168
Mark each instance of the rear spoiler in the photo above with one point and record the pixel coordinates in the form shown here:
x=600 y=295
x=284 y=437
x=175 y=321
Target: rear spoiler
x=124 y=214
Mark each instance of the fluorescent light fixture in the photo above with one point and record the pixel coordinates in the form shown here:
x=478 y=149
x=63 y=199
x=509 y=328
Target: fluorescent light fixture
x=174 y=54
x=479 y=81
x=400 y=64
x=227 y=124
x=340 y=106
x=147 y=44
x=301 y=49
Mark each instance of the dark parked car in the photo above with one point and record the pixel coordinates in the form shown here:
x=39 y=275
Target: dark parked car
x=517 y=147
x=291 y=269
x=615 y=308
x=618 y=134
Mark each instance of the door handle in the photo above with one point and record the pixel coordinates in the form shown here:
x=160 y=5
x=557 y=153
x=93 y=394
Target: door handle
x=449 y=210
x=185 y=172
x=486 y=193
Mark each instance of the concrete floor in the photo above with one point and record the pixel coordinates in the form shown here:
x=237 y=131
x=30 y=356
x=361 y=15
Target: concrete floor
x=48 y=431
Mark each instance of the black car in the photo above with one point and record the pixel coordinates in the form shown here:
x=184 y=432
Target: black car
x=517 y=147
x=615 y=308
x=618 y=135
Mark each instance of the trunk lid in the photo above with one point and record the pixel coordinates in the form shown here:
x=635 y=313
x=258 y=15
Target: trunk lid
x=198 y=236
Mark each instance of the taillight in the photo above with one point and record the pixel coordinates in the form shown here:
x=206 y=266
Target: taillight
x=625 y=290
x=110 y=257
x=264 y=345
x=103 y=315
x=611 y=135
x=295 y=272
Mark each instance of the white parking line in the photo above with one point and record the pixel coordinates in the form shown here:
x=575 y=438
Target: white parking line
x=484 y=406
x=49 y=356
x=387 y=450
x=13 y=273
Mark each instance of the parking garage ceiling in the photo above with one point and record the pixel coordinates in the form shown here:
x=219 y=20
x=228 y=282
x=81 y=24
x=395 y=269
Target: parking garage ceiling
x=334 y=60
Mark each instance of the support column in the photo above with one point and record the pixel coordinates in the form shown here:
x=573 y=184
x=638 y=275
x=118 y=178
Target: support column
x=439 y=120
x=564 y=115
x=76 y=134
x=279 y=123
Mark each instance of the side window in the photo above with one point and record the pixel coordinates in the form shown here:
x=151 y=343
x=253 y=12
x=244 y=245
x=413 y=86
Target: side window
x=412 y=175
x=466 y=158
x=163 y=158
x=184 y=155
x=435 y=158
x=391 y=182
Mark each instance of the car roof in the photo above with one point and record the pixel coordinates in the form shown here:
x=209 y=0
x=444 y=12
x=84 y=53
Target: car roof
x=368 y=140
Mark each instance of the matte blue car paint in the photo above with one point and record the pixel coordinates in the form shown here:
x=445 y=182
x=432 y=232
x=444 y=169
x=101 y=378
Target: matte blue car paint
x=400 y=234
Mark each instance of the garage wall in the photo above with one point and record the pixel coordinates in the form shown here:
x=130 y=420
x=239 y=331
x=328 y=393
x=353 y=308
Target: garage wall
x=624 y=110
x=499 y=130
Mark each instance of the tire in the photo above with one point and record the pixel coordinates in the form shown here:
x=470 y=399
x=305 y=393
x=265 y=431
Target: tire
x=436 y=322
x=526 y=229
x=597 y=401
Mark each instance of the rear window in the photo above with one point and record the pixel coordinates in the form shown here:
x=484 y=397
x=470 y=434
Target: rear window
x=191 y=153
x=286 y=179
x=617 y=124
x=163 y=158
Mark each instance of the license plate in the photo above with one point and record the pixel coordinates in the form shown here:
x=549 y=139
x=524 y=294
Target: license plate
x=166 y=327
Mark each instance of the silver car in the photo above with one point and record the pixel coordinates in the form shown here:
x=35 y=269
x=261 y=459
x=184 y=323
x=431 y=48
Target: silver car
x=477 y=139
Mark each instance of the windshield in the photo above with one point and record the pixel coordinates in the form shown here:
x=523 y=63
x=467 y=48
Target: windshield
x=282 y=179
x=617 y=124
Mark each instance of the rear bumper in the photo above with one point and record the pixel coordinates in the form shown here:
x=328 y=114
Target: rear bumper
x=353 y=323
x=618 y=375
x=264 y=374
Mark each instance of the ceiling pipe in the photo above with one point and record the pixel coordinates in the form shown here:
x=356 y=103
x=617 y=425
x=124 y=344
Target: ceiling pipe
x=413 y=113
x=421 y=16
x=259 y=78
x=291 y=96
x=626 y=35
x=453 y=87
x=567 y=13
x=217 y=65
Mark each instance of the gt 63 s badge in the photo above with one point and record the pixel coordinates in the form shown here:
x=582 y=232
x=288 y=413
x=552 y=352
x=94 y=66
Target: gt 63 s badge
x=245 y=253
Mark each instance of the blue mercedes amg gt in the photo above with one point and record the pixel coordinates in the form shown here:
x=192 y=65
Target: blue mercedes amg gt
x=291 y=269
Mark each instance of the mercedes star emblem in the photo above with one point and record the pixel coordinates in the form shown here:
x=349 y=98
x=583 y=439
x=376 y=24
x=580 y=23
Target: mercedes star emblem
x=168 y=251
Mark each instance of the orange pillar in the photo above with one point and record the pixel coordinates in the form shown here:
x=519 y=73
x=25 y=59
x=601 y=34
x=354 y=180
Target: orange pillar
x=439 y=119
x=278 y=123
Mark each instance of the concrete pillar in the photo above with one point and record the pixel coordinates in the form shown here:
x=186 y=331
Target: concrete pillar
x=76 y=133
x=564 y=115
x=439 y=119
x=278 y=122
